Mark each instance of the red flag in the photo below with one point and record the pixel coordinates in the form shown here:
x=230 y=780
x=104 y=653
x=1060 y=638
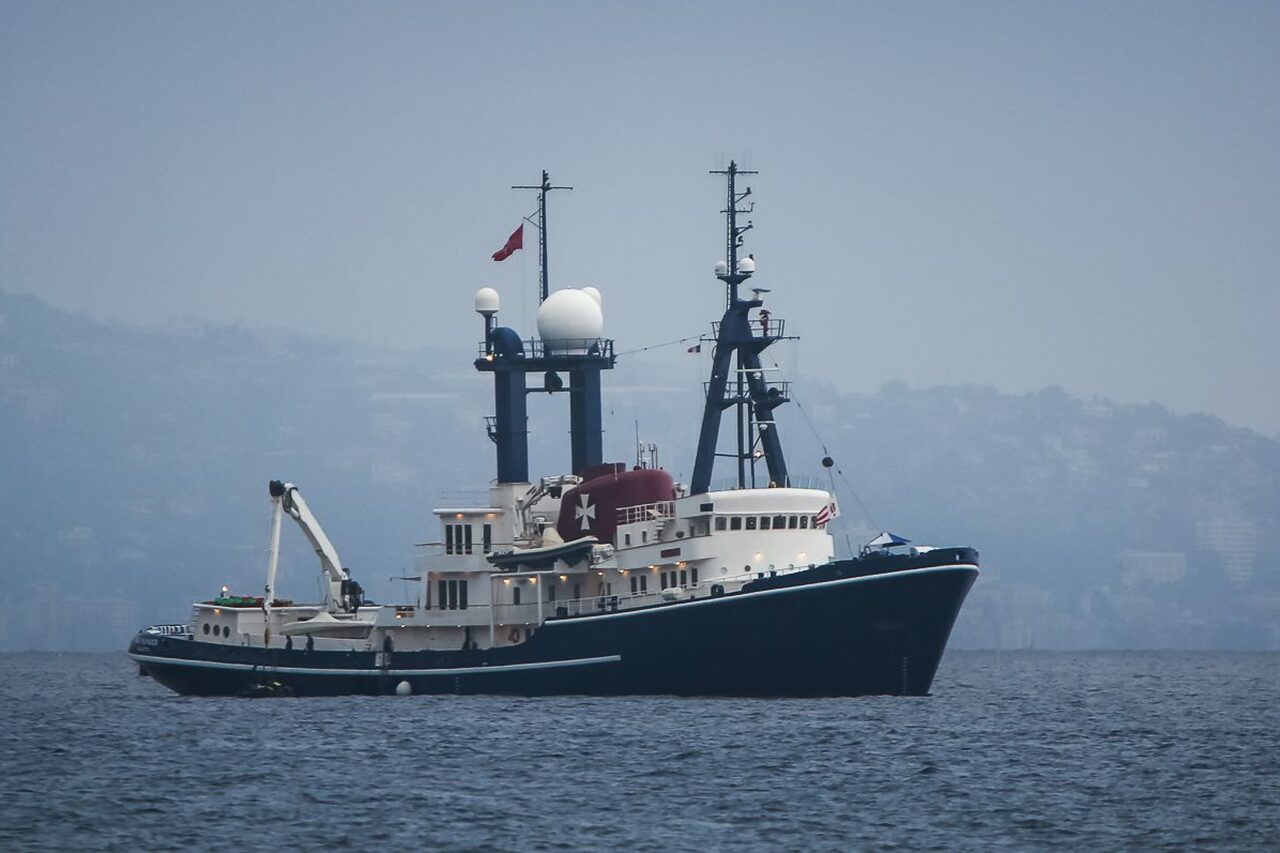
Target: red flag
x=515 y=241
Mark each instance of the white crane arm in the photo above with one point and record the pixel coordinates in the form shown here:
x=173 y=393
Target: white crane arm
x=290 y=499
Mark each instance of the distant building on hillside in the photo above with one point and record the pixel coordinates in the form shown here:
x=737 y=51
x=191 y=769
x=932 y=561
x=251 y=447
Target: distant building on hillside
x=1152 y=568
x=1236 y=540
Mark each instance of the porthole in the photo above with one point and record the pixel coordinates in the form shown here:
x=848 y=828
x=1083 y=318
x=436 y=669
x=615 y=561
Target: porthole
x=226 y=631
x=206 y=627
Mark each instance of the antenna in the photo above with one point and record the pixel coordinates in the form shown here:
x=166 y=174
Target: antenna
x=733 y=274
x=541 y=225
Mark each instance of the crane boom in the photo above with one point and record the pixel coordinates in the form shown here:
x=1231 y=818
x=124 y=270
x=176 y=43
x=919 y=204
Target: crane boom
x=287 y=497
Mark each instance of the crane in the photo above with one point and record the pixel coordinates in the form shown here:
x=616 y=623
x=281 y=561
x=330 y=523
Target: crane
x=341 y=593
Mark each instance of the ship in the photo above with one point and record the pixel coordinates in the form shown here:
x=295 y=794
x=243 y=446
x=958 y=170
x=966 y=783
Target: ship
x=611 y=578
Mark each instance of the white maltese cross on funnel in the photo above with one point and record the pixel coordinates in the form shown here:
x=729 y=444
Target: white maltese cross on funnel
x=585 y=511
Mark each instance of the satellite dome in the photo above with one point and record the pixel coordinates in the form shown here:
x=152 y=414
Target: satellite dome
x=487 y=301
x=570 y=321
x=747 y=266
x=722 y=268
x=593 y=293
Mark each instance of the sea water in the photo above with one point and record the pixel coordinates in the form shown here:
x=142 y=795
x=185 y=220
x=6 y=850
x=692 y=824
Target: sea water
x=1012 y=750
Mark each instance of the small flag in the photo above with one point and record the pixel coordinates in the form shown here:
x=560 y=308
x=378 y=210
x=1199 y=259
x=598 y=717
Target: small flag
x=827 y=513
x=515 y=241
x=695 y=348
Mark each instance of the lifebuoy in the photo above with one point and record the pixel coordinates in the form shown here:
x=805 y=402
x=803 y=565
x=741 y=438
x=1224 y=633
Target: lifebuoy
x=514 y=636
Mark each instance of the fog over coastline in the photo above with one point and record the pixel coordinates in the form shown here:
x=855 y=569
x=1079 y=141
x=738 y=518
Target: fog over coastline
x=136 y=463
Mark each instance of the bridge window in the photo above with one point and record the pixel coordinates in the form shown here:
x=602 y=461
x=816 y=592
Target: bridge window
x=764 y=522
x=452 y=595
x=515 y=595
x=693 y=576
x=664 y=580
x=486 y=539
x=684 y=578
x=457 y=538
x=804 y=522
x=720 y=522
x=779 y=522
x=751 y=522
x=735 y=523
x=793 y=522
x=635 y=583
x=644 y=583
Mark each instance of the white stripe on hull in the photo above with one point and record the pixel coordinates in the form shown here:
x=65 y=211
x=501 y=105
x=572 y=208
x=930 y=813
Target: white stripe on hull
x=370 y=671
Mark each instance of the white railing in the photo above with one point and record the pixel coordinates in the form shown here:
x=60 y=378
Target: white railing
x=646 y=512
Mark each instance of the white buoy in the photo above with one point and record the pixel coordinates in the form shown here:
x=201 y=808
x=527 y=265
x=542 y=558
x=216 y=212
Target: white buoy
x=404 y=688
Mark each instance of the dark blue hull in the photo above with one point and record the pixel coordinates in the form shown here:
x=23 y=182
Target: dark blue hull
x=831 y=631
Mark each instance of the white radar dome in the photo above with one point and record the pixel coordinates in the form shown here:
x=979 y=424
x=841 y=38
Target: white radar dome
x=487 y=301
x=722 y=268
x=593 y=293
x=570 y=321
x=746 y=266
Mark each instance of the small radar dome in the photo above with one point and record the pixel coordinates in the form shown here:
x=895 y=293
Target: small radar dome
x=593 y=293
x=487 y=301
x=747 y=266
x=570 y=321
x=722 y=268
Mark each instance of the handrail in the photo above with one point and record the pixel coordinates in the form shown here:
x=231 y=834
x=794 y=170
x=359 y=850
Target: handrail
x=646 y=512
x=538 y=348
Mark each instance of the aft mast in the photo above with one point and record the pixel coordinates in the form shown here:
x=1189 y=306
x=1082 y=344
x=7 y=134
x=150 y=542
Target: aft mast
x=511 y=359
x=736 y=340
x=543 y=188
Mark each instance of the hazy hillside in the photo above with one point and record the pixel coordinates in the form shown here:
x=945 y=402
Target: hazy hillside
x=134 y=462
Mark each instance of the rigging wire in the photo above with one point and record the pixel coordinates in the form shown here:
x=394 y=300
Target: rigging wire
x=660 y=346
x=827 y=454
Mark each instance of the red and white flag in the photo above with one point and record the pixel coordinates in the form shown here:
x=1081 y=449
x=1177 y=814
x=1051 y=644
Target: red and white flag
x=827 y=513
x=515 y=241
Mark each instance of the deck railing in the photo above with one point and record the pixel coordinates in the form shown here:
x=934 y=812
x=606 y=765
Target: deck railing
x=646 y=512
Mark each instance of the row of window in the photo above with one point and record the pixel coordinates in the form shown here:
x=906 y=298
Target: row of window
x=226 y=631
x=740 y=522
x=457 y=538
x=766 y=522
x=452 y=595
x=680 y=578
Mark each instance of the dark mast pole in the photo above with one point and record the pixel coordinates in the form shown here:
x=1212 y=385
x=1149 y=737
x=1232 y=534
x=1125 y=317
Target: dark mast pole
x=733 y=240
x=542 y=189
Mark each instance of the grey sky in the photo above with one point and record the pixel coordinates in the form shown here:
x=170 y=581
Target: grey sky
x=1014 y=194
